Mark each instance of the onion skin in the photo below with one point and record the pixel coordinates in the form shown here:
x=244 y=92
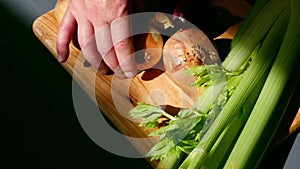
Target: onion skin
x=187 y=48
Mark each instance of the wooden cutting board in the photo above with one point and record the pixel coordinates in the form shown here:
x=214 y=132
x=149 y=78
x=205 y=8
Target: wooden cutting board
x=115 y=97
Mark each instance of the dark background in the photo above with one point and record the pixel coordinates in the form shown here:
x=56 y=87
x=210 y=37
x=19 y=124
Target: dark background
x=40 y=128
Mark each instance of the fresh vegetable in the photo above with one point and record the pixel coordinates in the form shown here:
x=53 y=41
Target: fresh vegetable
x=249 y=149
x=256 y=7
x=253 y=34
x=252 y=77
x=188 y=48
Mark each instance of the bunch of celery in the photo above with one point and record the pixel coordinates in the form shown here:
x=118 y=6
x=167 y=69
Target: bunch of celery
x=233 y=121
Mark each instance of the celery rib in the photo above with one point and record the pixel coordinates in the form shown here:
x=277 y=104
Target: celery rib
x=252 y=14
x=254 y=34
x=221 y=149
x=272 y=91
x=252 y=76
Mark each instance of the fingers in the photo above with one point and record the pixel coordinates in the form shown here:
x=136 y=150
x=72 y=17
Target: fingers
x=86 y=40
x=64 y=37
x=116 y=48
x=123 y=45
x=105 y=47
x=105 y=39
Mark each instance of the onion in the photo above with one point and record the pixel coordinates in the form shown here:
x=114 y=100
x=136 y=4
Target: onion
x=187 y=48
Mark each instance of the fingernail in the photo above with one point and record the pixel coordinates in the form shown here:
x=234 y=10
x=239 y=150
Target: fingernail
x=60 y=58
x=129 y=74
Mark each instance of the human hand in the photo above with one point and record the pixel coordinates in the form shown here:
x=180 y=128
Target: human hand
x=103 y=35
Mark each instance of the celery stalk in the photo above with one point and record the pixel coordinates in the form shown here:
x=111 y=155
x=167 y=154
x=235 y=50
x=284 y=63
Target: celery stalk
x=252 y=14
x=207 y=98
x=256 y=70
x=225 y=142
x=254 y=34
x=221 y=149
x=170 y=162
x=287 y=58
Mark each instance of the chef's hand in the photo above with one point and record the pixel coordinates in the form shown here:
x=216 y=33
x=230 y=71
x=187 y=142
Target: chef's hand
x=103 y=34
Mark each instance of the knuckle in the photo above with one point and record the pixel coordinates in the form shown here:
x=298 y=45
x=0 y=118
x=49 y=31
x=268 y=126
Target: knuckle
x=81 y=42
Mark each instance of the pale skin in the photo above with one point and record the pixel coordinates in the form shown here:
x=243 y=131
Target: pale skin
x=103 y=35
